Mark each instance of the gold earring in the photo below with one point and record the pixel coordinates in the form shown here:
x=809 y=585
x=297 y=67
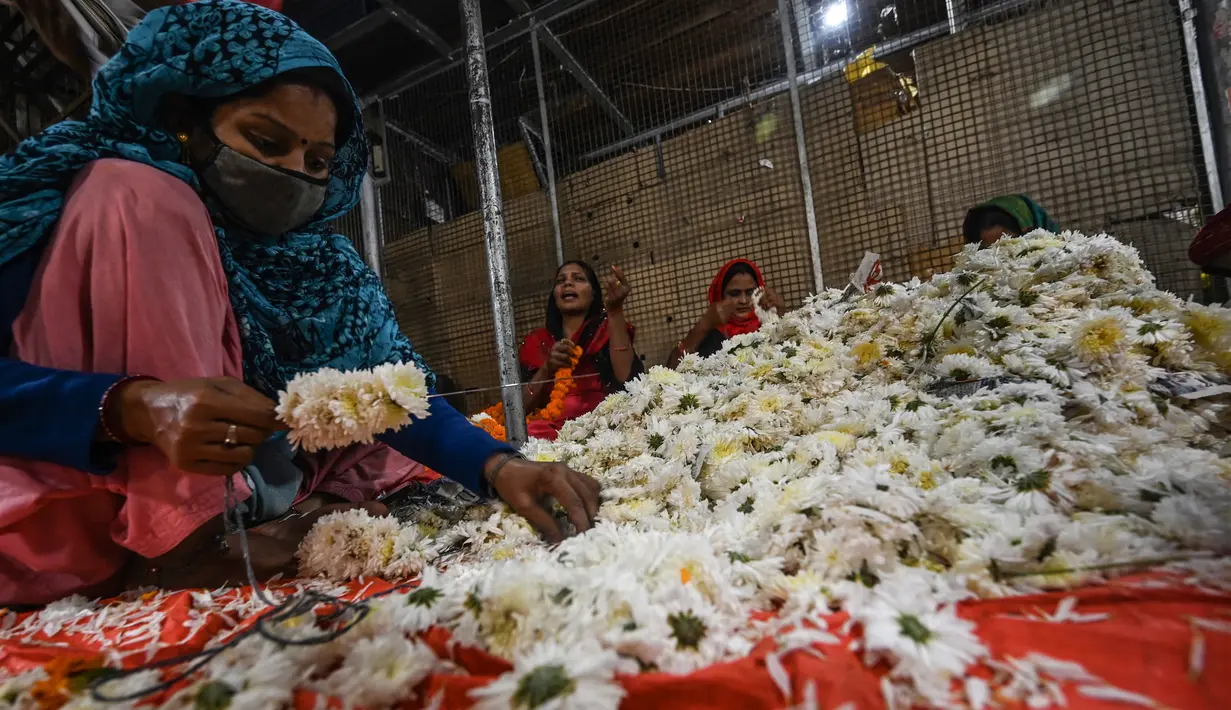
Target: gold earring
x=181 y=137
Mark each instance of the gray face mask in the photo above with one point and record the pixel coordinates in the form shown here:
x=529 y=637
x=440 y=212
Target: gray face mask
x=267 y=200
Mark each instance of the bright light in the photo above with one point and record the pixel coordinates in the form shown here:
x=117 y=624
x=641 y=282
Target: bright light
x=834 y=15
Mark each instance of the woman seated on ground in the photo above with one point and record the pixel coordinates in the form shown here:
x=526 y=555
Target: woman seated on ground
x=1005 y=216
x=578 y=317
x=179 y=236
x=731 y=311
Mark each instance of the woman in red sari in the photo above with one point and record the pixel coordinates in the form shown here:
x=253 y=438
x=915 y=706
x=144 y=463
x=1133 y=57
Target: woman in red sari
x=578 y=316
x=731 y=311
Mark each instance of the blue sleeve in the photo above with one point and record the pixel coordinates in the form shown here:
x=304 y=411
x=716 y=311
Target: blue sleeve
x=52 y=415
x=447 y=443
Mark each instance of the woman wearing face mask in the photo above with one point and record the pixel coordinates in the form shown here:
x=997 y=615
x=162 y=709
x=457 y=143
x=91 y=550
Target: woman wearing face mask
x=582 y=314
x=1005 y=216
x=731 y=311
x=162 y=276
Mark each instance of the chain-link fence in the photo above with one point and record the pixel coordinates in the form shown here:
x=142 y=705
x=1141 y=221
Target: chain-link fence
x=677 y=143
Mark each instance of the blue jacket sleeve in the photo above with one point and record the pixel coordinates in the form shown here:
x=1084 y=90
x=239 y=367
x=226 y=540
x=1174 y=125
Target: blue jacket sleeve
x=447 y=443
x=52 y=415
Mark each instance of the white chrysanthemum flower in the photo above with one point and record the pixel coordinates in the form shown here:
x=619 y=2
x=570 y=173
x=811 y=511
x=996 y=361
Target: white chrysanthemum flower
x=406 y=385
x=328 y=409
x=381 y=671
x=552 y=677
x=1202 y=523
x=964 y=367
x=929 y=648
x=1100 y=338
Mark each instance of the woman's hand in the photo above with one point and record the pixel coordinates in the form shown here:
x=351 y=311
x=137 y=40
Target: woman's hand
x=615 y=289
x=718 y=314
x=561 y=356
x=527 y=485
x=770 y=300
x=188 y=420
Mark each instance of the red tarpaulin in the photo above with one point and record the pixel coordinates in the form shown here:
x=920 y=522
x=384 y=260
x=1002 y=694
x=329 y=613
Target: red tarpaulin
x=1144 y=645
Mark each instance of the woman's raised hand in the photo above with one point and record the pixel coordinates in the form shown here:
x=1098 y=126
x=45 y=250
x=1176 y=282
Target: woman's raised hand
x=770 y=300
x=616 y=288
x=190 y=420
x=718 y=314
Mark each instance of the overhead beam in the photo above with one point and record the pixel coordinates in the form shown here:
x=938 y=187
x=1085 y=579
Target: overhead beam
x=550 y=11
x=574 y=67
x=803 y=31
x=539 y=171
x=430 y=149
x=418 y=27
x=358 y=29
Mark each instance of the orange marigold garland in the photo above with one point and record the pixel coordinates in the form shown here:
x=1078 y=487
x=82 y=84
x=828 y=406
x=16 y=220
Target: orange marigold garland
x=493 y=422
x=66 y=677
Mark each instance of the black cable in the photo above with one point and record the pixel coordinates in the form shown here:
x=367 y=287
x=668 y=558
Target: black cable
x=345 y=614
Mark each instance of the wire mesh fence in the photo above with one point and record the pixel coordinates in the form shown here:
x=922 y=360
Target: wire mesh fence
x=675 y=146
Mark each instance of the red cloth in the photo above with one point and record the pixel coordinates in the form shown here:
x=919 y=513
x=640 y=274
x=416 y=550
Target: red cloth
x=1213 y=241
x=1143 y=646
x=588 y=388
x=735 y=326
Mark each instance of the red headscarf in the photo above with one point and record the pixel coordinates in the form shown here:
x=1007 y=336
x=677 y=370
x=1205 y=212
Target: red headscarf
x=1213 y=241
x=735 y=326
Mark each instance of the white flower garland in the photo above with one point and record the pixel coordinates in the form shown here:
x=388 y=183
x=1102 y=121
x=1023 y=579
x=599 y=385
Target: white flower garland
x=354 y=543
x=330 y=409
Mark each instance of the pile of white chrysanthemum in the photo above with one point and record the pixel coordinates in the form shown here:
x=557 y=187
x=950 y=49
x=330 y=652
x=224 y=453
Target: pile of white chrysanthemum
x=842 y=457
x=1041 y=417
x=331 y=409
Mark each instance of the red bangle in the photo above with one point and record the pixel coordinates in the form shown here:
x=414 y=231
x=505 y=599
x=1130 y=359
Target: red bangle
x=105 y=406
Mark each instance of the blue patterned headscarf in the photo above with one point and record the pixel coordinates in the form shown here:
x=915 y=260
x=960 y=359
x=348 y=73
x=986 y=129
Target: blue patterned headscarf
x=303 y=301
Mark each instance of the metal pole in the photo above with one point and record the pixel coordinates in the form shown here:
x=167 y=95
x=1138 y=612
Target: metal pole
x=551 y=161
x=955 y=9
x=807 y=45
x=369 y=213
x=805 y=177
x=487 y=173
x=1201 y=104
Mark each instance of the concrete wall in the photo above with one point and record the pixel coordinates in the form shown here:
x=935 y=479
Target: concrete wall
x=1083 y=106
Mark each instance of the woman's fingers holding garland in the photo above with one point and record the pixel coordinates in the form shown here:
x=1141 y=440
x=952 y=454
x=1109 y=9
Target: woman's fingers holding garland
x=208 y=425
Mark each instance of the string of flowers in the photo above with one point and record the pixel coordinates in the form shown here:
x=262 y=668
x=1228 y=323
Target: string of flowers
x=491 y=419
x=330 y=409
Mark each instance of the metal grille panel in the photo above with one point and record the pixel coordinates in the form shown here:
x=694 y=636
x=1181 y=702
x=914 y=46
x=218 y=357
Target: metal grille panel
x=675 y=149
